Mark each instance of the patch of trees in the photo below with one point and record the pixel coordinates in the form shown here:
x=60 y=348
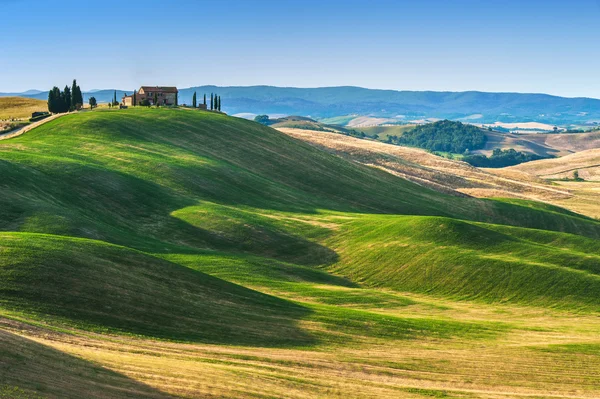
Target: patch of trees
x=444 y=135
x=195 y=101
x=215 y=102
x=576 y=177
x=93 y=103
x=263 y=120
x=595 y=129
x=501 y=158
x=67 y=100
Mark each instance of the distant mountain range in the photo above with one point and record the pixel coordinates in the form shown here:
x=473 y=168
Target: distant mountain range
x=329 y=102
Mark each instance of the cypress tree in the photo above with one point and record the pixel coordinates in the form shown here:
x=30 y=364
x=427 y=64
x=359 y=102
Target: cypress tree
x=61 y=106
x=58 y=96
x=204 y=100
x=156 y=99
x=211 y=101
x=68 y=98
x=115 y=98
x=134 y=98
x=219 y=103
x=51 y=101
x=76 y=96
x=194 y=100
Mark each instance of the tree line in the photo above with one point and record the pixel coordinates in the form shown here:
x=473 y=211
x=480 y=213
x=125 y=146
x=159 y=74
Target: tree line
x=501 y=158
x=66 y=100
x=215 y=102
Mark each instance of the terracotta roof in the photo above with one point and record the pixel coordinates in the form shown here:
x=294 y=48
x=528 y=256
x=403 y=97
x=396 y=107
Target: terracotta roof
x=160 y=89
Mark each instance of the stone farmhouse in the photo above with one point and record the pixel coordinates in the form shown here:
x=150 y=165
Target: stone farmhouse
x=164 y=95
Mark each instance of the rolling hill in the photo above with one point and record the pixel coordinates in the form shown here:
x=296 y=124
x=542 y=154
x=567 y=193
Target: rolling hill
x=438 y=173
x=544 y=145
x=174 y=252
x=335 y=101
x=587 y=163
x=326 y=102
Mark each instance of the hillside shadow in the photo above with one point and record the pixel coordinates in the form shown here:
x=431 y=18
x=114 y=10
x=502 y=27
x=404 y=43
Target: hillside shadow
x=29 y=369
x=123 y=209
x=104 y=288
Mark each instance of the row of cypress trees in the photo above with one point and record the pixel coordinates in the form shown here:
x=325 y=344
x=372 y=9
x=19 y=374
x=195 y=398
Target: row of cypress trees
x=215 y=102
x=67 y=100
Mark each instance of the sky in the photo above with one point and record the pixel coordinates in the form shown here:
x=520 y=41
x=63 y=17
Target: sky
x=487 y=45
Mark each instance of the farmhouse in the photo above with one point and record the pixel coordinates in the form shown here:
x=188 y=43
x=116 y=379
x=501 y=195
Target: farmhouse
x=164 y=96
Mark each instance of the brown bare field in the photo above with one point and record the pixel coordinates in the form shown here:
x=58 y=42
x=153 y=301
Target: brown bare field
x=541 y=143
x=429 y=170
x=363 y=121
x=587 y=163
x=526 y=181
x=20 y=107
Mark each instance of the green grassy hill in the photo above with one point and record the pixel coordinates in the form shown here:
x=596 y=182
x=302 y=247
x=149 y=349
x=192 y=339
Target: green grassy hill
x=179 y=182
x=383 y=132
x=180 y=225
x=465 y=260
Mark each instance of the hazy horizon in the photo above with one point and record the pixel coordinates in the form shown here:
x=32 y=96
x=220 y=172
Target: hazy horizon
x=85 y=90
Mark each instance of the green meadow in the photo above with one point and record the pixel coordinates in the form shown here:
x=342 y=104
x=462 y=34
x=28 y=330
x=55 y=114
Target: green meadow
x=180 y=253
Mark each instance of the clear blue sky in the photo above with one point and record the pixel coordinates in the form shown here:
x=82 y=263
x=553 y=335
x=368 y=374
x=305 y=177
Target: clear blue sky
x=489 y=45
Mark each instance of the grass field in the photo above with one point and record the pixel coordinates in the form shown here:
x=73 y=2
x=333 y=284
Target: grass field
x=383 y=132
x=153 y=253
x=20 y=107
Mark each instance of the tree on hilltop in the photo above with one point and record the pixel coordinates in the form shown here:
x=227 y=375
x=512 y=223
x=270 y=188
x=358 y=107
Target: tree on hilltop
x=194 y=100
x=134 y=98
x=211 y=101
x=93 y=102
x=53 y=100
x=155 y=99
x=204 y=100
x=76 y=96
x=67 y=98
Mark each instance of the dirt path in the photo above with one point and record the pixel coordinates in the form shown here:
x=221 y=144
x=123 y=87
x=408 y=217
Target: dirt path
x=25 y=129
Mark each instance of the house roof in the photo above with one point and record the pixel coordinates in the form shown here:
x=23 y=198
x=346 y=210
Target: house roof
x=163 y=89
